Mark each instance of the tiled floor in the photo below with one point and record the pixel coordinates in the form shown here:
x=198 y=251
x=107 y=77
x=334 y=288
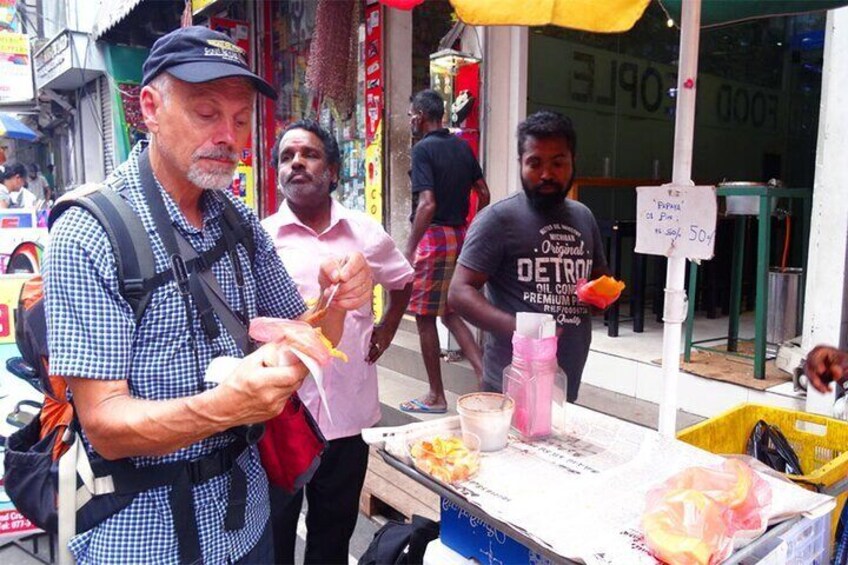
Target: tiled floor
x=647 y=346
x=628 y=365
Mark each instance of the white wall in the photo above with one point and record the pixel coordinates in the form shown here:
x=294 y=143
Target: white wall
x=505 y=87
x=398 y=61
x=825 y=301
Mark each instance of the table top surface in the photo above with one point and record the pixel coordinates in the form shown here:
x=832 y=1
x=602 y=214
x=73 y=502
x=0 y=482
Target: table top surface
x=603 y=468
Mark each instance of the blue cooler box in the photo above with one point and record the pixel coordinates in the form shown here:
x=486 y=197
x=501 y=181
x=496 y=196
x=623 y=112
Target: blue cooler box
x=475 y=539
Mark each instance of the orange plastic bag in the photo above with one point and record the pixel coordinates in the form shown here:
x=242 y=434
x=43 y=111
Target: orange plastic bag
x=600 y=292
x=737 y=486
x=686 y=527
x=699 y=514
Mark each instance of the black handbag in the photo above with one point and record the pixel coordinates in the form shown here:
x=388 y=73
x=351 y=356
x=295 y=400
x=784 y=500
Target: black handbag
x=768 y=445
x=400 y=543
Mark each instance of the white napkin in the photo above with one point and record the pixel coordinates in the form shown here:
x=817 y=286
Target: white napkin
x=220 y=367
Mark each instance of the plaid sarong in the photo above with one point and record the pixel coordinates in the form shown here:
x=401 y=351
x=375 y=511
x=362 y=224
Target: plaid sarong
x=435 y=261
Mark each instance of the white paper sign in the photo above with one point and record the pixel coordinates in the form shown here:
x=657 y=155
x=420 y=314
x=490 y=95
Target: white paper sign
x=676 y=221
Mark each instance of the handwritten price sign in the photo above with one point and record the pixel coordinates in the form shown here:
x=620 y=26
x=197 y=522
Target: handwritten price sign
x=676 y=221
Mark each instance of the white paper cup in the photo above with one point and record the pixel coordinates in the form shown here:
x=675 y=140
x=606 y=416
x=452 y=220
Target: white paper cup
x=488 y=415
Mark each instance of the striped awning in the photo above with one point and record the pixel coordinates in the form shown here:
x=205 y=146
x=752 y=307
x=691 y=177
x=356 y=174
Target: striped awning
x=111 y=13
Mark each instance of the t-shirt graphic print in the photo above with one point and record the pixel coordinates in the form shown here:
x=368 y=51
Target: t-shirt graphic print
x=533 y=260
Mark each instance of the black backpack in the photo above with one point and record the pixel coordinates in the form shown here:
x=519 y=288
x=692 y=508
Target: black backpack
x=401 y=543
x=33 y=452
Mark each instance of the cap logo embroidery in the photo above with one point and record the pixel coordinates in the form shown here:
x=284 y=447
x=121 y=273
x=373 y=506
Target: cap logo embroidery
x=225 y=45
x=227 y=55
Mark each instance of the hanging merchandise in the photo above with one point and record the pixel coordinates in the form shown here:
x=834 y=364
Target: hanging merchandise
x=333 y=56
x=131 y=120
x=461 y=107
x=123 y=65
x=401 y=4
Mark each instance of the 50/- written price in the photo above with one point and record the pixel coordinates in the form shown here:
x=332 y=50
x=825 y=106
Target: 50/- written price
x=695 y=233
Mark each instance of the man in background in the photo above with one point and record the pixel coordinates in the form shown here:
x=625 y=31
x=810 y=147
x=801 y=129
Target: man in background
x=37 y=184
x=444 y=172
x=309 y=227
x=48 y=175
x=529 y=250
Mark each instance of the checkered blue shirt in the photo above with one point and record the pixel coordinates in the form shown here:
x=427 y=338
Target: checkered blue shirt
x=92 y=334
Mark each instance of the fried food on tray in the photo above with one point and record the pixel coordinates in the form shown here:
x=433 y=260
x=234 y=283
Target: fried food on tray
x=446 y=459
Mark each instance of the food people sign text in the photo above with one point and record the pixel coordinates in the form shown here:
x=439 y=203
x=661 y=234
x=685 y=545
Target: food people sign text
x=676 y=221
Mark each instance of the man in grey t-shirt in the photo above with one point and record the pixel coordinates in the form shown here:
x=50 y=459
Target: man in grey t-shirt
x=530 y=250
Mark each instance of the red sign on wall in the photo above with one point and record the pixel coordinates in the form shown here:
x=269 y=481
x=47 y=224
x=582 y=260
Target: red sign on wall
x=373 y=70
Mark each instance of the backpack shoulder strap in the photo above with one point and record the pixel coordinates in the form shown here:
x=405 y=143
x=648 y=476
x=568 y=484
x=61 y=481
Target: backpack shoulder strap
x=240 y=229
x=130 y=242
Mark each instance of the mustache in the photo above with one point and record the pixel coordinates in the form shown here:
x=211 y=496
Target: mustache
x=551 y=184
x=303 y=174
x=221 y=153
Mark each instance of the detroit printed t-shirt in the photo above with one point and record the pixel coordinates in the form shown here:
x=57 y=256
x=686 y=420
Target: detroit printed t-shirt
x=533 y=260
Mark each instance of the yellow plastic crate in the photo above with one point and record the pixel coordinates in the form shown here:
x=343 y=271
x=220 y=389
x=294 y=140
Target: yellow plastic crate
x=819 y=442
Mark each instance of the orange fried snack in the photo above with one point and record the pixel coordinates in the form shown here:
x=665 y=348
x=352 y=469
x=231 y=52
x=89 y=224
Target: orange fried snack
x=297 y=335
x=315 y=313
x=446 y=459
x=600 y=292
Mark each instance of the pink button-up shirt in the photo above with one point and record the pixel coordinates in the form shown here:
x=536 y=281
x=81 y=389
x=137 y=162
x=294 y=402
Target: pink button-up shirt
x=351 y=387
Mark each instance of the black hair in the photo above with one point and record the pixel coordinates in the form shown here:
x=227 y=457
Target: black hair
x=331 y=146
x=547 y=125
x=12 y=170
x=34 y=168
x=430 y=104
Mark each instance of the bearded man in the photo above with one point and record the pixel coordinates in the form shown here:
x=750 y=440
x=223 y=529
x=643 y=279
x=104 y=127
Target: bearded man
x=530 y=249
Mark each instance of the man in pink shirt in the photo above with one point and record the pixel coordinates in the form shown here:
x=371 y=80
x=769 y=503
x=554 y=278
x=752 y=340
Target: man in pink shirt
x=309 y=227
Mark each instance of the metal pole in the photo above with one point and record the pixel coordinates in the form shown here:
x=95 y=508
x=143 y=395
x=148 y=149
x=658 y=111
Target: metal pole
x=761 y=302
x=675 y=303
x=739 y=229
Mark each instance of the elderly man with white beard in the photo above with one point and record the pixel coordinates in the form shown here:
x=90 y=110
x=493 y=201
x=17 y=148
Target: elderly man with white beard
x=138 y=385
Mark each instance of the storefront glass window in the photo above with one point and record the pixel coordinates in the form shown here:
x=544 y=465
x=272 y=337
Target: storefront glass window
x=758 y=97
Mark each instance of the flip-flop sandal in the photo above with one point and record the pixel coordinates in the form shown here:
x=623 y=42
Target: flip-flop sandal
x=415 y=405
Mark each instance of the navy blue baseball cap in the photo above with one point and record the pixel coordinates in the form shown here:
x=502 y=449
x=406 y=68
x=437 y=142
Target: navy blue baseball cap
x=198 y=54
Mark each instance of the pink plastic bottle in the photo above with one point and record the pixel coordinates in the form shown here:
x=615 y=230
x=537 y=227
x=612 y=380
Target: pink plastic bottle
x=529 y=381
